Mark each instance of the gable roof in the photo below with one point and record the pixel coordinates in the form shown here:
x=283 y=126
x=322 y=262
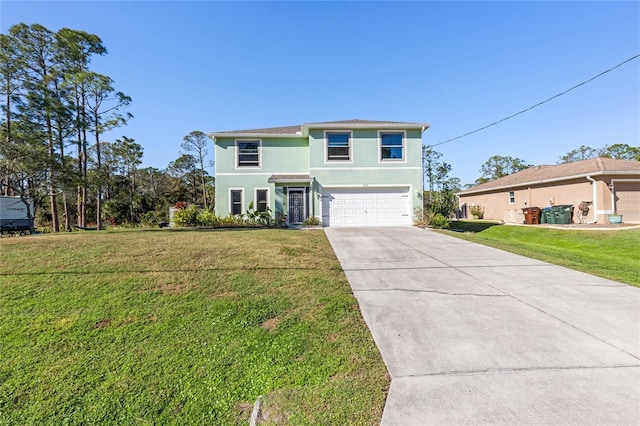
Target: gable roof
x=552 y=173
x=302 y=130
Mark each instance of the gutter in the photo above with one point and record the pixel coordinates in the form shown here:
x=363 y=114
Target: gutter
x=595 y=199
x=215 y=136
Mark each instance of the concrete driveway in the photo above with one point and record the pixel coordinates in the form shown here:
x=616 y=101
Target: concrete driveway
x=474 y=335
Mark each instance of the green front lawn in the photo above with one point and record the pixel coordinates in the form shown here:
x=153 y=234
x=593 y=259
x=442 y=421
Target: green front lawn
x=610 y=254
x=182 y=327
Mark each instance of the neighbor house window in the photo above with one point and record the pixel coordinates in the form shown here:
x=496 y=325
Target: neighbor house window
x=262 y=200
x=235 y=201
x=512 y=197
x=338 y=146
x=248 y=153
x=391 y=146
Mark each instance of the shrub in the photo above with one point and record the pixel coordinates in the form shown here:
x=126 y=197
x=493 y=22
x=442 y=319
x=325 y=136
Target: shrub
x=187 y=216
x=439 y=221
x=207 y=218
x=232 y=220
x=150 y=218
x=254 y=217
x=477 y=211
x=195 y=216
x=443 y=202
x=312 y=221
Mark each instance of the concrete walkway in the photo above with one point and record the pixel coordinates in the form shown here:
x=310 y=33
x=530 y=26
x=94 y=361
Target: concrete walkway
x=475 y=335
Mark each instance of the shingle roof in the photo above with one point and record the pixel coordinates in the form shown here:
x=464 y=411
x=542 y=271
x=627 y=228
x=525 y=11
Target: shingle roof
x=359 y=121
x=540 y=174
x=297 y=129
x=284 y=130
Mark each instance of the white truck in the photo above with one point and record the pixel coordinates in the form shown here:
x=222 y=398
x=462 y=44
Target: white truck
x=14 y=216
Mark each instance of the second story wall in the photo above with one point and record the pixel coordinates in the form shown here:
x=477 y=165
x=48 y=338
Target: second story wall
x=365 y=148
x=273 y=156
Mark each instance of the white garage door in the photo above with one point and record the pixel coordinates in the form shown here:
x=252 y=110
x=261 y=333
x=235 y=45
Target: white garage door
x=628 y=200
x=370 y=207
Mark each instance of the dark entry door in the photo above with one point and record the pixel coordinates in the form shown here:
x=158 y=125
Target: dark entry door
x=297 y=208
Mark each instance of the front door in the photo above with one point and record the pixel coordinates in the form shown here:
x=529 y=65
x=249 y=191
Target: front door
x=297 y=205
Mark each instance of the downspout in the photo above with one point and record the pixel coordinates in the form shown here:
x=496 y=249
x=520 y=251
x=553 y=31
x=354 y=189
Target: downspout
x=595 y=199
x=612 y=188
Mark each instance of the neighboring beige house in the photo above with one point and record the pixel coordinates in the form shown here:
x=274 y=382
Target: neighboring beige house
x=608 y=184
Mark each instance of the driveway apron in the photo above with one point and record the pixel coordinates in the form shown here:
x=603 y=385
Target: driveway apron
x=476 y=335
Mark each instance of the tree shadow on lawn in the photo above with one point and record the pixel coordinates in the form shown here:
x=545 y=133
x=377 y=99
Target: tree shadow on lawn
x=472 y=225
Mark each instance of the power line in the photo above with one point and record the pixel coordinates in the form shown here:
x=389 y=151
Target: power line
x=536 y=105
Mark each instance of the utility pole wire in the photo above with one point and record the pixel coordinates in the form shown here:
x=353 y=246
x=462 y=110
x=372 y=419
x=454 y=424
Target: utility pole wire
x=536 y=105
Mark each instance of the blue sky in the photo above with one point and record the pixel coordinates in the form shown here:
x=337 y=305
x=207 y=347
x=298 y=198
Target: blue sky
x=216 y=66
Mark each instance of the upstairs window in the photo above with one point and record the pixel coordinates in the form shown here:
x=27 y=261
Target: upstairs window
x=512 y=197
x=248 y=153
x=391 y=146
x=338 y=147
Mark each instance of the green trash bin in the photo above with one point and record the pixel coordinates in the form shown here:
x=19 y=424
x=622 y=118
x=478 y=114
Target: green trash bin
x=551 y=214
x=544 y=215
x=563 y=214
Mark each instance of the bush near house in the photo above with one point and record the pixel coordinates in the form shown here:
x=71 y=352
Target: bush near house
x=191 y=216
x=440 y=222
x=477 y=212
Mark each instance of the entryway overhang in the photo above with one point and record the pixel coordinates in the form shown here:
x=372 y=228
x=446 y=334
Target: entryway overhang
x=290 y=179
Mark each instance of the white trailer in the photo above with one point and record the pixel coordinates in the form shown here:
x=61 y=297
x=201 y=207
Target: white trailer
x=14 y=215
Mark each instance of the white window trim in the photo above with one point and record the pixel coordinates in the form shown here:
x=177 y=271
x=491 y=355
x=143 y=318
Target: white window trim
x=326 y=147
x=255 y=197
x=230 y=204
x=404 y=147
x=514 y=197
x=259 y=154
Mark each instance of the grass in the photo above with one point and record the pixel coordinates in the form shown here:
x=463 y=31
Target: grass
x=609 y=254
x=182 y=327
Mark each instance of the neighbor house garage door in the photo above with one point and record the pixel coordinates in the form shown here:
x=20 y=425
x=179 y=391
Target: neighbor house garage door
x=370 y=207
x=628 y=200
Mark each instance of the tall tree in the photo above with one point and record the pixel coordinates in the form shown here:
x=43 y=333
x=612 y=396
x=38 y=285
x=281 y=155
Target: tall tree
x=104 y=105
x=35 y=45
x=197 y=142
x=154 y=190
x=49 y=97
x=185 y=171
x=498 y=166
x=578 y=154
x=430 y=164
x=130 y=154
x=621 y=151
x=10 y=87
x=75 y=49
x=440 y=197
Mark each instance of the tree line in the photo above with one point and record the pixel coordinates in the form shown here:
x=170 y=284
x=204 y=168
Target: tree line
x=55 y=112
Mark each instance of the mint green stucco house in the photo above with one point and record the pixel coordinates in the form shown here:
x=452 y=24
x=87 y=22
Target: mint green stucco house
x=345 y=173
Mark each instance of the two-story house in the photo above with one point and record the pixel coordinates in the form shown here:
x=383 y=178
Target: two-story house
x=346 y=173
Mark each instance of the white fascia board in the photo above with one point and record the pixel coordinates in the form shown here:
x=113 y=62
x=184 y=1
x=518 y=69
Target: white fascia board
x=254 y=135
x=542 y=181
x=350 y=126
